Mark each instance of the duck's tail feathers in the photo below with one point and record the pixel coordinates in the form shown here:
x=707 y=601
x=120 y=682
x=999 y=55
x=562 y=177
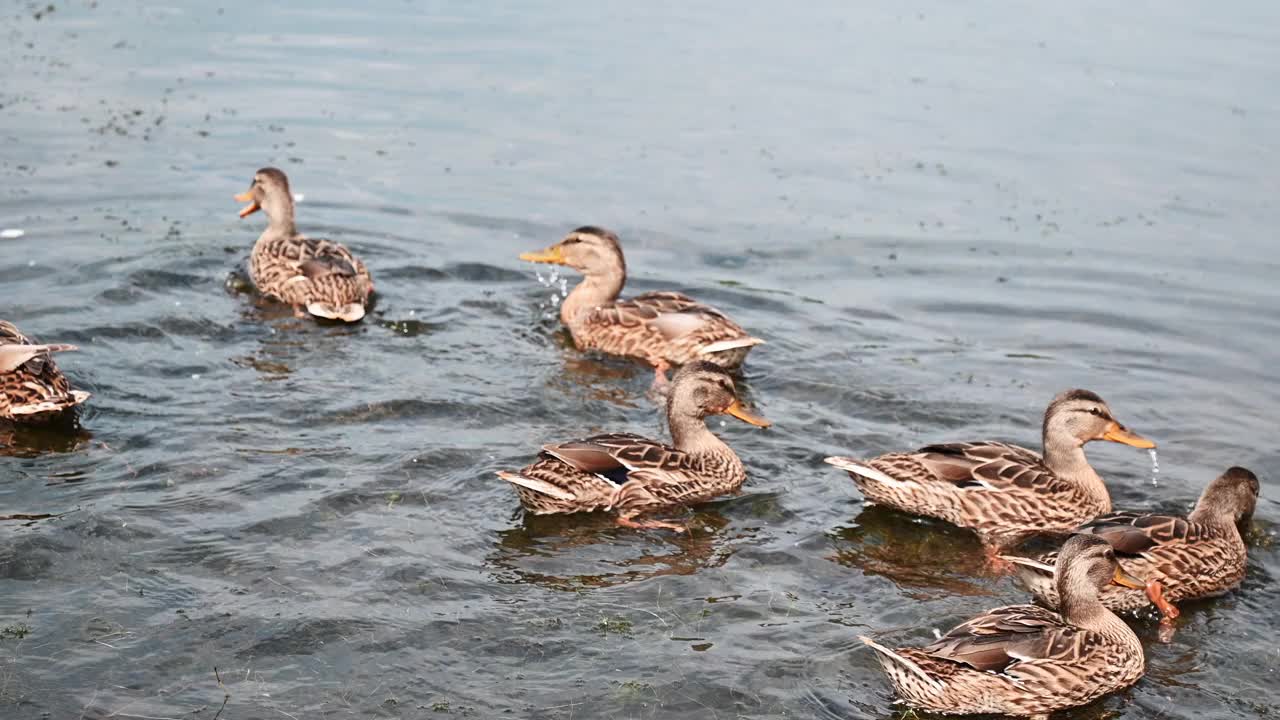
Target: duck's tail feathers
x=13 y=357
x=1029 y=563
x=734 y=344
x=906 y=663
x=862 y=470
x=49 y=406
x=539 y=486
x=350 y=312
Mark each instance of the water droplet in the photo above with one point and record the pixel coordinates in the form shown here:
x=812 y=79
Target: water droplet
x=298 y=197
x=1155 y=467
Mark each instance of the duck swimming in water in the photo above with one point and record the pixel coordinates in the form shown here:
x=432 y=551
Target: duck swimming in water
x=630 y=475
x=315 y=276
x=664 y=329
x=32 y=388
x=1003 y=492
x=1025 y=660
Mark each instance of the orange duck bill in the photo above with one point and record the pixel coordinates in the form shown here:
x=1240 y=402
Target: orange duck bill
x=735 y=409
x=252 y=207
x=1118 y=433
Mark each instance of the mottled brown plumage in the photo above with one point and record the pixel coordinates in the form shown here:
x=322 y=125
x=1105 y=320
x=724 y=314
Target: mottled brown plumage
x=32 y=388
x=1004 y=492
x=630 y=475
x=1025 y=660
x=1190 y=557
x=661 y=328
x=319 y=276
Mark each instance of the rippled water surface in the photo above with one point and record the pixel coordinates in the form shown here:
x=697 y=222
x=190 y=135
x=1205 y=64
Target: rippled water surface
x=938 y=214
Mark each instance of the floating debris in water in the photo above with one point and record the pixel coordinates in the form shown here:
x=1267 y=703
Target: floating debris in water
x=11 y=233
x=1155 y=468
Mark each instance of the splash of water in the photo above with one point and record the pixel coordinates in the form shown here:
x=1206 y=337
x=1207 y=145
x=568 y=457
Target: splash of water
x=1155 y=468
x=559 y=286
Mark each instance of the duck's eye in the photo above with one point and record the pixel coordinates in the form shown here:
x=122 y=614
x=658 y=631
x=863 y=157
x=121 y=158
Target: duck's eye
x=572 y=240
x=1095 y=411
x=1110 y=555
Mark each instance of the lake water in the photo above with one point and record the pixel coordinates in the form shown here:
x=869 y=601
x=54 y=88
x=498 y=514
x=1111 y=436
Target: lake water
x=939 y=215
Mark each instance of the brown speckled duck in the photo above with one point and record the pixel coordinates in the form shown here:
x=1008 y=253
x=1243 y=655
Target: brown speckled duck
x=1025 y=660
x=1197 y=556
x=661 y=328
x=320 y=277
x=630 y=475
x=1004 y=492
x=32 y=388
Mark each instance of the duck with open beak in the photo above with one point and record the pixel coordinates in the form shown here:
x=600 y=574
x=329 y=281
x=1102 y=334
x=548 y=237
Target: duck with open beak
x=318 y=277
x=253 y=206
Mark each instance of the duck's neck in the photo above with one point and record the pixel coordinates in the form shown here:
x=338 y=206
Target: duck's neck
x=1222 y=522
x=279 y=211
x=1085 y=610
x=1064 y=456
x=689 y=432
x=595 y=290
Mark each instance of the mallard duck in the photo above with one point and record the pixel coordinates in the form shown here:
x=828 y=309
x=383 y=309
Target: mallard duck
x=32 y=388
x=663 y=329
x=1023 y=659
x=1197 y=556
x=319 y=276
x=1004 y=492
x=630 y=475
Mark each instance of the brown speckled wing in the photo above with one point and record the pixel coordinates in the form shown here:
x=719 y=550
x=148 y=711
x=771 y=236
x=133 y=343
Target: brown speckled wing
x=988 y=464
x=608 y=454
x=1137 y=533
x=37 y=382
x=667 y=326
x=1019 y=633
x=301 y=270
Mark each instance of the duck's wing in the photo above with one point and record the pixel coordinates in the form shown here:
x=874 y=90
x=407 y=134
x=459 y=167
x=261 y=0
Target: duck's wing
x=1137 y=533
x=325 y=258
x=616 y=455
x=33 y=357
x=1001 y=638
x=989 y=465
x=674 y=319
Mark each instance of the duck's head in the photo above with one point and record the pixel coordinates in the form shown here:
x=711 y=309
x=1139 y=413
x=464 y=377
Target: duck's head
x=700 y=389
x=1082 y=416
x=1086 y=564
x=1230 y=498
x=590 y=250
x=269 y=192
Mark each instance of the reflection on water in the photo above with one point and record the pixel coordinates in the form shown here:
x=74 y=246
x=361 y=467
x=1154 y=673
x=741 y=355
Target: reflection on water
x=33 y=441
x=937 y=214
x=919 y=555
x=589 y=550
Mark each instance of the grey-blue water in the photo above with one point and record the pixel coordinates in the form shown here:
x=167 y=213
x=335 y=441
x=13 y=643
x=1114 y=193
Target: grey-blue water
x=938 y=214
